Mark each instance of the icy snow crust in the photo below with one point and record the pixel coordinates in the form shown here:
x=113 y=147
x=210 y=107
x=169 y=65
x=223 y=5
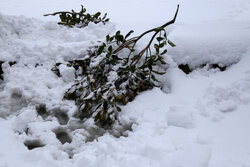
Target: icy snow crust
x=197 y=120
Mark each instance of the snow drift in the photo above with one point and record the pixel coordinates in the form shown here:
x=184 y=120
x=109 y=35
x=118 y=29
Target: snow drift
x=195 y=120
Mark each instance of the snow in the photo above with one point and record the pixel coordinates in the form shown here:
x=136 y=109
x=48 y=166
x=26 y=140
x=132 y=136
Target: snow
x=200 y=119
x=213 y=42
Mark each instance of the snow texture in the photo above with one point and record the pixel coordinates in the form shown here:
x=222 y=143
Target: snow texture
x=200 y=119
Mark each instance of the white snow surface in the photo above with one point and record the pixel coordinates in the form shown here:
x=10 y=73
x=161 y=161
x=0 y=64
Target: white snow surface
x=197 y=120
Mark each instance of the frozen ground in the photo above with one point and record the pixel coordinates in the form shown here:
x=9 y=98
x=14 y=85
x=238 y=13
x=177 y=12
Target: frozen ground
x=197 y=120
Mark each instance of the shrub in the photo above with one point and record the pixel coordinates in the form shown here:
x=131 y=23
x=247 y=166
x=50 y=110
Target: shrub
x=114 y=73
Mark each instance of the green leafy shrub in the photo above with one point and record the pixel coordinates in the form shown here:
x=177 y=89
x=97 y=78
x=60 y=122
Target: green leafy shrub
x=114 y=73
x=79 y=19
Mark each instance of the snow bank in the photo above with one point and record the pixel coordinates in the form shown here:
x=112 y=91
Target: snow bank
x=214 y=42
x=31 y=41
x=201 y=122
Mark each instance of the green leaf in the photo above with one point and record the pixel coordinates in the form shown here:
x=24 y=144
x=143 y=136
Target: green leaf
x=150 y=63
x=120 y=73
x=119 y=38
x=107 y=38
x=128 y=34
x=87 y=16
x=97 y=14
x=118 y=33
x=153 y=77
x=171 y=43
x=158 y=72
x=116 y=57
x=100 y=49
x=105 y=15
x=165 y=35
x=83 y=9
x=161 y=45
x=118 y=108
x=145 y=73
x=110 y=49
x=111 y=38
x=73 y=16
x=159 y=39
x=132 y=68
x=58 y=64
x=63 y=17
x=108 y=55
x=145 y=65
x=162 y=61
x=165 y=51
x=156 y=46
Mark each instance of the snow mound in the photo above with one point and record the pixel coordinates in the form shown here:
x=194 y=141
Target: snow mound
x=32 y=41
x=227 y=93
x=210 y=42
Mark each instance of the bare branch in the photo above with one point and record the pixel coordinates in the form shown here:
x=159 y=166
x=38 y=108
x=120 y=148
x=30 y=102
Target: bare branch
x=56 y=13
x=156 y=30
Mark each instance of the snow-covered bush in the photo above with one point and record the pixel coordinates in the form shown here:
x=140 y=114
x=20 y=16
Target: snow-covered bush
x=115 y=72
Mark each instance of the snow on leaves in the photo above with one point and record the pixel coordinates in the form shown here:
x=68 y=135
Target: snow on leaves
x=114 y=73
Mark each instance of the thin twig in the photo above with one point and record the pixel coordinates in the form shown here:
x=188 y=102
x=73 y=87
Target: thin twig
x=56 y=13
x=136 y=39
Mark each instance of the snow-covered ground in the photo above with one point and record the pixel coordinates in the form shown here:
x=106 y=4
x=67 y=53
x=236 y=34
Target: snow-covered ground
x=197 y=120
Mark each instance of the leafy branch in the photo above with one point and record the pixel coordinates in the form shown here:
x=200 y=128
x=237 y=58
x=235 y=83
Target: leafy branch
x=107 y=78
x=81 y=19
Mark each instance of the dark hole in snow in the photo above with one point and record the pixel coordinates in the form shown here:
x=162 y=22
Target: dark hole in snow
x=1 y=70
x=220 y=67
x=60 y=114
x=41 y=109
x=32 y=144
x=16 y=93
x=62 y=117
x=37 y=64
x=186 y=68
x=70 y=155
x=63 y=136
x=11 y=63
